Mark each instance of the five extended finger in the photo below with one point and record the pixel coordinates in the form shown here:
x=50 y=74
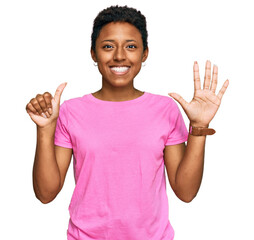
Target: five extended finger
x=197 y=84
x=214 y=79
x=223 y=89
x=207 y=79
x=179 y=99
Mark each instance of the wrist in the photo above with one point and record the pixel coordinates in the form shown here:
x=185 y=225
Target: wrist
x=200 y=131
x=48 y=130
x=199 y=125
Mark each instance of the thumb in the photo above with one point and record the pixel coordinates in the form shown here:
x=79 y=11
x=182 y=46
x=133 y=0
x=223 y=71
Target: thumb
x=179 y=99
x=59 y=92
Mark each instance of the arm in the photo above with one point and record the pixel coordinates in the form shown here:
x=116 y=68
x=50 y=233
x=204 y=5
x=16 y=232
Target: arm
x=51 y=162
x=50 y=166
x=185 y=164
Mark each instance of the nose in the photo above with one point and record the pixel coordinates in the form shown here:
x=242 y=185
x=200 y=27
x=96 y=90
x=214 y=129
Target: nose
x=119 y=54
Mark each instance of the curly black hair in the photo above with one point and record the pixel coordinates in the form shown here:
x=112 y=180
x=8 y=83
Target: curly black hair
x=119 y=14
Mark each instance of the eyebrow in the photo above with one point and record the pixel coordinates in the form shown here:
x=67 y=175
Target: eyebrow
x=109 y=40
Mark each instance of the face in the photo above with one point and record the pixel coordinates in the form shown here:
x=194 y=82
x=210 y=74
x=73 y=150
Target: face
x=119 y=53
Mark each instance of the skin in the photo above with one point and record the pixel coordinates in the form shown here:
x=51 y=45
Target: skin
x=185 y=164
x=51 y=162
x=120 y=44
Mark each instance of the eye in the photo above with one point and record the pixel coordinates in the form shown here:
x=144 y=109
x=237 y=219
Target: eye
x=107 y=46
x=131 y=46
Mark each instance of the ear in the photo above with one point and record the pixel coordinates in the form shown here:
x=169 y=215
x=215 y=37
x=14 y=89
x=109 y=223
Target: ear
x=93 y=55
x=145 y=55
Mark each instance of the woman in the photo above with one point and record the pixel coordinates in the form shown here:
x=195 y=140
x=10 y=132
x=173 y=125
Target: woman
x=120 y=139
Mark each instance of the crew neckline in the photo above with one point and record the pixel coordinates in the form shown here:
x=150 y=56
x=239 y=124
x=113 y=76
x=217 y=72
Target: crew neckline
x=126 y=102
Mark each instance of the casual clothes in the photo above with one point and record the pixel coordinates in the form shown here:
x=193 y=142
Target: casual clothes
x=119 y=171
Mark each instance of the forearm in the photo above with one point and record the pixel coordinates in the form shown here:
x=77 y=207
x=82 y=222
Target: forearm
x=190 y=171
x=187 y=175
x=46 y=174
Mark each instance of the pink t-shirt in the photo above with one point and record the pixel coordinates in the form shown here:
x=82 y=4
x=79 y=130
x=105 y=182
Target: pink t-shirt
x=119 y=170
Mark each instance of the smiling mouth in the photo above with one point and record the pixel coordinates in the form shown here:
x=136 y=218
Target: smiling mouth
x=119 y=70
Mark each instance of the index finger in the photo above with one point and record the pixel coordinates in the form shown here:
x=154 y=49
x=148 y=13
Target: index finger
x=47 y=97
x=197 y=84
x=223 y=89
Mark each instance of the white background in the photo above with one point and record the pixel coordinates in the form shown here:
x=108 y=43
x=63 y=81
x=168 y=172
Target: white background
x=45 y=43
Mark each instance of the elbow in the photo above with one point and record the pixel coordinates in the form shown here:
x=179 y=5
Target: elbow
x=187 y=197
x=46 y=199
x=46 y=195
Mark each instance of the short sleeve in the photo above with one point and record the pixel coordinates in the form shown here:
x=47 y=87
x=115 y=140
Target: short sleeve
x=177 y=130
x=62 y=136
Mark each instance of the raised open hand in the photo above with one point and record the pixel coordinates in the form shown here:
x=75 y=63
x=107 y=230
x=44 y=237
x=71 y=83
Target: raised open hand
x=44 y=109
x=205 y=103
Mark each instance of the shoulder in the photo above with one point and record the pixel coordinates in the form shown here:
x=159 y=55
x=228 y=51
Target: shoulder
x=73 y=102
x=161 y=100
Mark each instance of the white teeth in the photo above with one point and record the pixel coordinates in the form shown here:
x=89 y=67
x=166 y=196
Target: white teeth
x=120 y=69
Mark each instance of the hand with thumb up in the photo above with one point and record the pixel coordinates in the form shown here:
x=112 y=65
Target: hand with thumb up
x=44 y=109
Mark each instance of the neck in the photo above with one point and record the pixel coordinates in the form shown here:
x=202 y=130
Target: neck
x=117 y=94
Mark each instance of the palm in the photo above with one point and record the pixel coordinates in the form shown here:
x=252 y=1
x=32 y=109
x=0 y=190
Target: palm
x=203 y=106
x=205 y=102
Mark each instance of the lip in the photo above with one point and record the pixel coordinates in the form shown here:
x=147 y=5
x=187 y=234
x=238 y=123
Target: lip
x=119 y=72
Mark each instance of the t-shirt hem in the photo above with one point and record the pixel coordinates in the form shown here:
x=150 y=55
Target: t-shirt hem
x=60 y=144
x=178 y=141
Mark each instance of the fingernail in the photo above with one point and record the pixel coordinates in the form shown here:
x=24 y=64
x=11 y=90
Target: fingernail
x=47 y=114
x=44 y=115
